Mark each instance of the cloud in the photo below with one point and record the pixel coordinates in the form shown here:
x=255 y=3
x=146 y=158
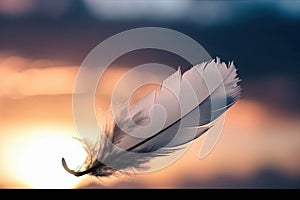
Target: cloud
x=138 y=8
x=21 y=77
x=24 y=77
x=16 y=7
x=199 y=12
x=25 y=7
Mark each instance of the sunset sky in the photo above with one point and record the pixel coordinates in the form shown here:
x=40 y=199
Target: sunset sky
x=42 y=46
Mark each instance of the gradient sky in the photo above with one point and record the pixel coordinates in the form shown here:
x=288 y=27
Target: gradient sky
x=43 y=43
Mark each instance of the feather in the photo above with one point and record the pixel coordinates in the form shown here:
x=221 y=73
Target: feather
x=180 y=110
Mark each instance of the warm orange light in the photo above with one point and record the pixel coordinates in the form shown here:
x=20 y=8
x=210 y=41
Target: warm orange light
x=38 y=160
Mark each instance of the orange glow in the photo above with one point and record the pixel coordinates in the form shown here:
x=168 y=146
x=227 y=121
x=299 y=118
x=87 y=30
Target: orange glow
x=18 y=82
x=37 y=160
x=37 y=128
x=252 y=115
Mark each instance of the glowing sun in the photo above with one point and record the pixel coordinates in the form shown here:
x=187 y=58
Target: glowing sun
x=38 y=160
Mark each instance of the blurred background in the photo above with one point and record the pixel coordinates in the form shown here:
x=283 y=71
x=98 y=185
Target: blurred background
x=43 y=43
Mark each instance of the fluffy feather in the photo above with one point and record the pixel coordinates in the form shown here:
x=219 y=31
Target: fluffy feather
x=191 y=102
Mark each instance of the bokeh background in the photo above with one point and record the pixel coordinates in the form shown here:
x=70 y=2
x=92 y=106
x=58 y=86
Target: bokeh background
x=43 y=43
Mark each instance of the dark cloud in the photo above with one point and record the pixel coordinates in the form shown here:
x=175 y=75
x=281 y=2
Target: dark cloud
x=265 y=46
x=267 y=178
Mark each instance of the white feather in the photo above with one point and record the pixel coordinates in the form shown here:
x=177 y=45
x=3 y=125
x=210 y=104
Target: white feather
x=179 y=111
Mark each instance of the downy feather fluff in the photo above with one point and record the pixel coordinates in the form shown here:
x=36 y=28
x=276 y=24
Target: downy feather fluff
x=125 y=145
